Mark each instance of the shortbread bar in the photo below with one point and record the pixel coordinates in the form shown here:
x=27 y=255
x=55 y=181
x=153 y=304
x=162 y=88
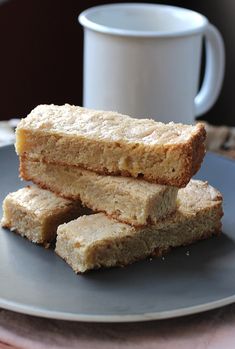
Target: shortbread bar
x=111 y=143
x=95 y=241
x=129 y=200
x=36 y=213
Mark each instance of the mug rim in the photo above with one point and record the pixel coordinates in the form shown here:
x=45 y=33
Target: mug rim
x=92 y=25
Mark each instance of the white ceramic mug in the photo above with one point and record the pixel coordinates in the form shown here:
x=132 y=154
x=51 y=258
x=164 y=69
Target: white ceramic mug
x=145 y=59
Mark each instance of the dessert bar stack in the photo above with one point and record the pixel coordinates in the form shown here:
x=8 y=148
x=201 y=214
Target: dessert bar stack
x=134 y=174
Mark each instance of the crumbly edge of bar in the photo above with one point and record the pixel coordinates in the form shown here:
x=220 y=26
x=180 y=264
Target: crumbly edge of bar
x=212 y=213
x=45 y=234
x=69 y=212
x=45 y=244
x=215 y=230
x=149 y=220
x=158 y=252
x=192 y=153
x=24 y=175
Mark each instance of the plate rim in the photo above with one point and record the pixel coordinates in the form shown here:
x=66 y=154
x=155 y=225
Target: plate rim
x=163 y=315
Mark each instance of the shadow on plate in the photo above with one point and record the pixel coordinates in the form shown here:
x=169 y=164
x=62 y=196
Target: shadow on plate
x=197 y=258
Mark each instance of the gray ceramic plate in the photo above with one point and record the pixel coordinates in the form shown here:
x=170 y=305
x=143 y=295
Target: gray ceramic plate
x=35 y=281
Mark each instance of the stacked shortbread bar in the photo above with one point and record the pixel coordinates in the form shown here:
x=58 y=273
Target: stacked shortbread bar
x=134 y=173
x=36 y=213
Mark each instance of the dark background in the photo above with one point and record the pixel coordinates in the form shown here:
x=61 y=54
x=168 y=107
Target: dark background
x=41 y=53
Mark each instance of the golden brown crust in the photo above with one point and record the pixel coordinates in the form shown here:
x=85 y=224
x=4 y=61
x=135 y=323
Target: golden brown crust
x=168 y=164
x=192 y=154
x=198 y=149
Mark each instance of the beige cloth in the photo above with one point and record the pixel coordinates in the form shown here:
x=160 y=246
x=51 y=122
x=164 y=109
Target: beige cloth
x=221 y=139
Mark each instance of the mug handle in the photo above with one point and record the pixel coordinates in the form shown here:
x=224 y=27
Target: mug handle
x=214 y=71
